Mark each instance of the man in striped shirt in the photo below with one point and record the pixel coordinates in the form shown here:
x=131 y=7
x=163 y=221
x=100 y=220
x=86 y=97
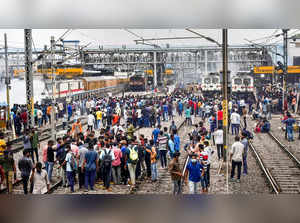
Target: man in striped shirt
x=162 y=146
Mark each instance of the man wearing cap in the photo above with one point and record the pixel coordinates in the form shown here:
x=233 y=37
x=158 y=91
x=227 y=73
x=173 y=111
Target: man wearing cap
x=176 y=175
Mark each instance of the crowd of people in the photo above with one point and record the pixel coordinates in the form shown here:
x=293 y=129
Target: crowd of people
x=109 y=150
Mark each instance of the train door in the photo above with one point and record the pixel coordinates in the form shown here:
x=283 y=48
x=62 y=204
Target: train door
x=206 y=83
x=237 y=84
x=248 y=83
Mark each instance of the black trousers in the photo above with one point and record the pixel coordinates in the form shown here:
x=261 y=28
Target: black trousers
x=163 y=158
x=25 y=184
x=106 y=176
x=239 y=168
x=148 y=166
x=35 y=150
x=208 y=174
x=138 y=170
x=81 y=175
x=220 y=149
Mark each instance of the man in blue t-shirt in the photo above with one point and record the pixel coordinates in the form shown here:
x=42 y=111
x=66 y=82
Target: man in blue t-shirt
x=176 y=141
x=166 y=112
x=155 y=134
x=195 y=171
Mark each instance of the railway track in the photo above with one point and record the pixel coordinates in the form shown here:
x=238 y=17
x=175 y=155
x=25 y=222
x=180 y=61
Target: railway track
x=279 y=165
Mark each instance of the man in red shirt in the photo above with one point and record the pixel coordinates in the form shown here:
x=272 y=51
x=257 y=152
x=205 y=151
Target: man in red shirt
x=24 y=120
x=220 y=117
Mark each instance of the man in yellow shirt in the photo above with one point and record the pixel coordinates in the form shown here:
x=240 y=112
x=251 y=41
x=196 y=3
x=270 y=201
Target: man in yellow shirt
x=99 y=118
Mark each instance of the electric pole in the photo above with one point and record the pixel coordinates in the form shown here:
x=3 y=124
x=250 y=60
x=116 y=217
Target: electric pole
x=7 y=80
x=285 y=58
x=154 y=71
x=28 y=76
x=53 y=118
x=225 y=98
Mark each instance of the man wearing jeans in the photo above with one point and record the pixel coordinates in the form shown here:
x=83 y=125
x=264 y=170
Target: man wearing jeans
x=245 y=143
x=50 y=159
x=25 y=166
x=162 y=146
x=90 y=165
x=195 y=171
x=236 y=156
x=235 y=122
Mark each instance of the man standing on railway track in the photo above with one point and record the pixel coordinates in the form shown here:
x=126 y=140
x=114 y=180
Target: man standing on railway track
x=91 y=167
x=107 y=156
x=25 y=166
x=235 y=119
x=162 y=145
x=219 y=142
x=50 y=159
x=188 y=116
x=245 y=143
x=289 y=126
x=176 y=175
x=34 y=139
x=236 y=157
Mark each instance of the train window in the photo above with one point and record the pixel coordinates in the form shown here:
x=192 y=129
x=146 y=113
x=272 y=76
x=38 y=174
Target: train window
x=247 y=81
x=215 y=80
x=207 y=80
x=238 y=81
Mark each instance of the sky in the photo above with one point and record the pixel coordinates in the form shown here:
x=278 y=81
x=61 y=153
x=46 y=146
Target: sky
x=113 y=37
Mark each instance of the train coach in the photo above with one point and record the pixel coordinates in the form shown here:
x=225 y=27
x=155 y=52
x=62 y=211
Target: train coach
x=211 y=84
x=71 y=88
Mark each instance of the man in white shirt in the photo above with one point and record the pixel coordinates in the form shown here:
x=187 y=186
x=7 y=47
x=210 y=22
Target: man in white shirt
x=39 y=179
x=88 y=106
x=235 y=120
x=91 y=121
x=209 y=152
x=139 y=116
x=236 y=156
x=219 y=142
x=117 y=128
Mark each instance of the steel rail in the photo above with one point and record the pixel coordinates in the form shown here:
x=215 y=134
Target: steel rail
x=283 y=147
x=273 y=183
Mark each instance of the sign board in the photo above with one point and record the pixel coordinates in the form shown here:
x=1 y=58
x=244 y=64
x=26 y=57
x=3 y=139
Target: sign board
x=271 y=70
x=225 y=112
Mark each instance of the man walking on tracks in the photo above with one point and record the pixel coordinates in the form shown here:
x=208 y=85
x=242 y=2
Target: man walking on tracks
x=236 y=156
x=195 y=171
x=245 y=143
x=235 y=122
x=25 y=166
x=176 y=175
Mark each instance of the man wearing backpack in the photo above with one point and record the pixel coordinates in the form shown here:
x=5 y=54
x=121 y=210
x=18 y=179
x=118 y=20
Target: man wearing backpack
x=90 y=165
x=132 y=159
x=107 y=157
